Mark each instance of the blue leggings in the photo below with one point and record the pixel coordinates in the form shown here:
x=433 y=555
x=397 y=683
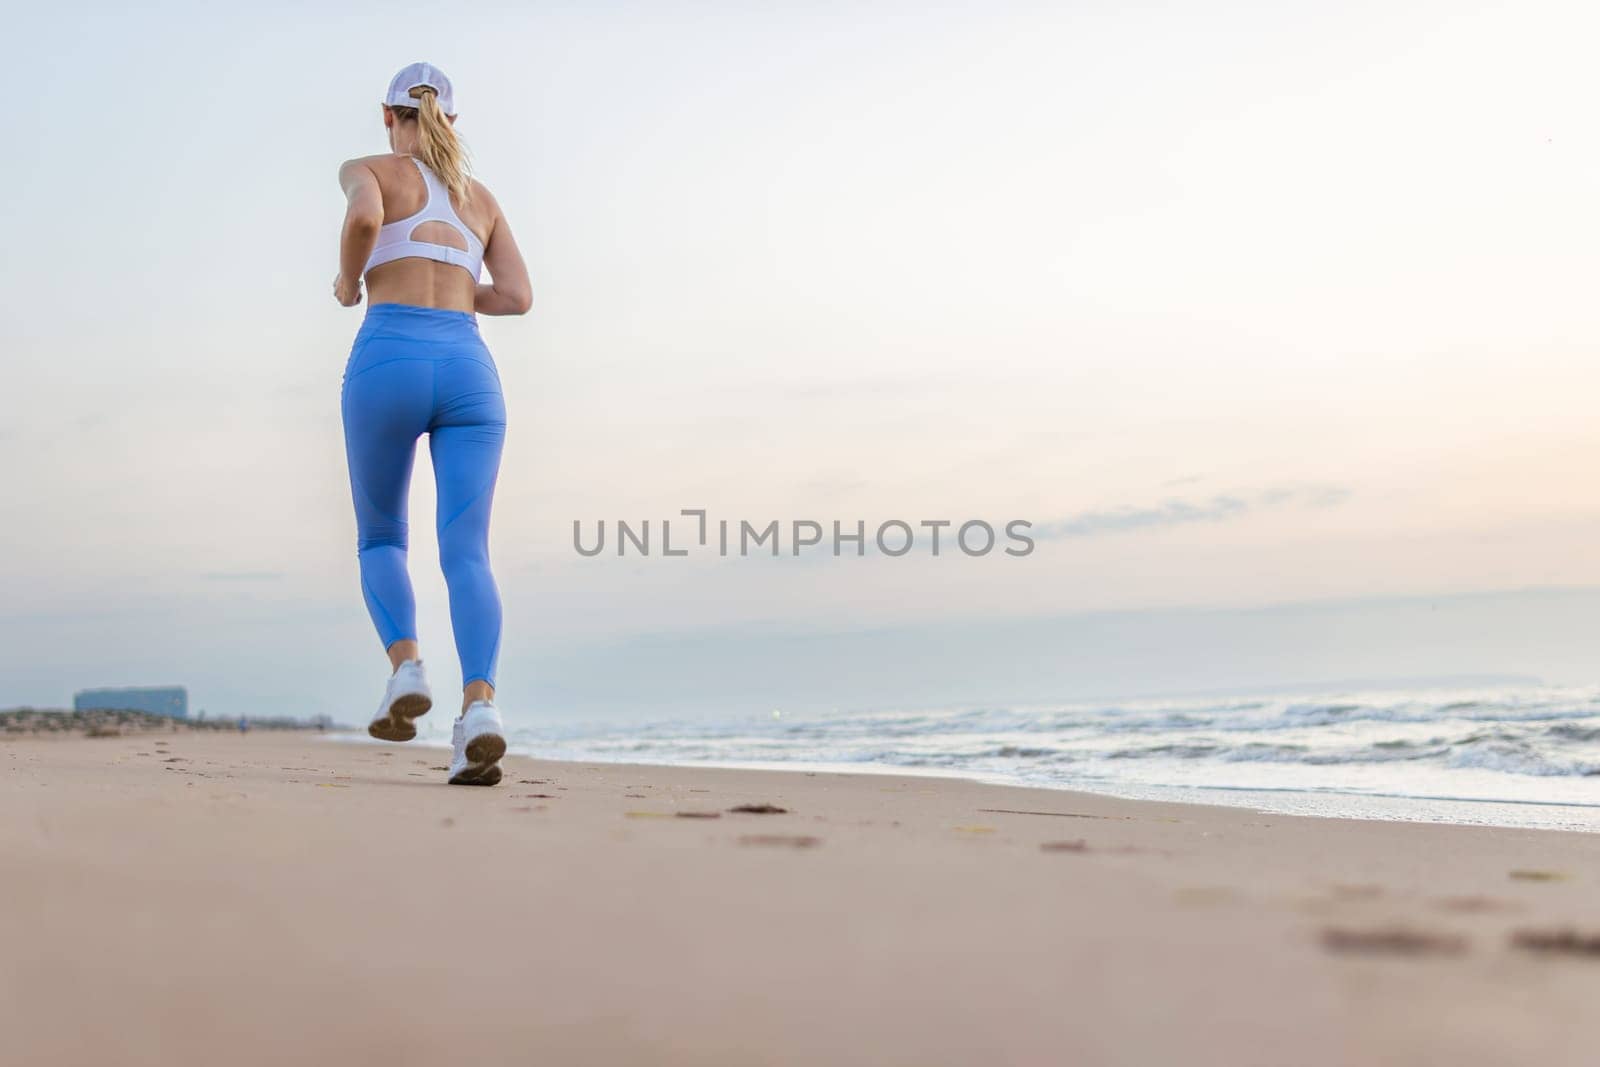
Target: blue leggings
x=416 y=370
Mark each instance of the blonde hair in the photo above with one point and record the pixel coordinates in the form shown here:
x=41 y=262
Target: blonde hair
x=437 y=142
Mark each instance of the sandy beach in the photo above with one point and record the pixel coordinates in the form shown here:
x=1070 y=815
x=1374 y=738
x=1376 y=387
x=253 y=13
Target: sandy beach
x=199 y=898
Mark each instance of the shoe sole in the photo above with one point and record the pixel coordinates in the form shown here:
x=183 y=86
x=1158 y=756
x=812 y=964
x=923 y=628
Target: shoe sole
x=483 y=761
x=398 y=724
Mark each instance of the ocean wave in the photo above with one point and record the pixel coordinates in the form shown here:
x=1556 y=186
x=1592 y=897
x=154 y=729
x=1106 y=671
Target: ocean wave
x=1521 y=760
x=1262 y=752
x=1021 y=752
x=1173 y=751
x=1302 y=715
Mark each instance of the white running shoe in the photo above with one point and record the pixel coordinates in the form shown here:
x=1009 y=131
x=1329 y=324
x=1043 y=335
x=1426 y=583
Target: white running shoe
x=478 y=741
x=406 y=698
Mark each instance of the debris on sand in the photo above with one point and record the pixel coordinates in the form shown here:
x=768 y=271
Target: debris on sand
x=1566 y=942
x=781 y=840
x=1057 y=814
x=759 y=809
x=1393 y=941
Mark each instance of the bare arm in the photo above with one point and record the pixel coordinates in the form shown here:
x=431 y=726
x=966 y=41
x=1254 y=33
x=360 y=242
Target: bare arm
x=509 y=292
x=363 y=217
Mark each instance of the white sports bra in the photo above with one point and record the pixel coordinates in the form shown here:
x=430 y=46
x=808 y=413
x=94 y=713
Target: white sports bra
x=394 y=238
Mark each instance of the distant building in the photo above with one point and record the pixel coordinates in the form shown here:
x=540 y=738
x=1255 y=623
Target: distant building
x=170 y=700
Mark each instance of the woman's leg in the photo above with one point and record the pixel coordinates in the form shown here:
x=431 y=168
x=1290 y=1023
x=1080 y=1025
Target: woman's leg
x=385 y=409
x=403 y=650
x=465 y=446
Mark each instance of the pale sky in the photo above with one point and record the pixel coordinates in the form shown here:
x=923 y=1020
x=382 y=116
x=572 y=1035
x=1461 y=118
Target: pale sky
x=1249 y=303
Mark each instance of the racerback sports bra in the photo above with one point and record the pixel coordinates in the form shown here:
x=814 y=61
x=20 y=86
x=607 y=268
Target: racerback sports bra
x=394 y=238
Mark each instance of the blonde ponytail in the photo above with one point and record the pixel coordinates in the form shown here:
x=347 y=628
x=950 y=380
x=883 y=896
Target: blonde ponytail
x=437 y=142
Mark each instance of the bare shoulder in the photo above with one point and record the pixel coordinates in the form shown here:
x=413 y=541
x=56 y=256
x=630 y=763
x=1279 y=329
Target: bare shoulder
x=368 y=161
x=481 y=193
x=358 y=170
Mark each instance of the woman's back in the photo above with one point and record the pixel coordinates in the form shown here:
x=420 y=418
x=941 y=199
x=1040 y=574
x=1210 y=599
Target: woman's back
x=412 y=279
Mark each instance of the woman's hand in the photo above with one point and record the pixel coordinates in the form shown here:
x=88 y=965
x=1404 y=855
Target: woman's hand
x=348 y=293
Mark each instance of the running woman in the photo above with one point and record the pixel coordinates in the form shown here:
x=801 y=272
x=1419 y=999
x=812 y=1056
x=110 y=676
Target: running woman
x=420 y=229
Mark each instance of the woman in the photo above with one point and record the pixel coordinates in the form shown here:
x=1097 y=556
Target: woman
x=420 y=229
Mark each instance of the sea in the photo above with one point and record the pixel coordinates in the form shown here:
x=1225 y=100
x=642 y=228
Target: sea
x=1505 y=756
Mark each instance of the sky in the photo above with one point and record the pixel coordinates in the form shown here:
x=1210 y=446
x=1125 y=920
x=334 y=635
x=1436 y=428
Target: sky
x=1246 y=307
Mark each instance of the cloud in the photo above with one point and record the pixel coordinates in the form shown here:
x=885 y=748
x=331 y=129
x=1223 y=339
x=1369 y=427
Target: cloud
x=1179 y=512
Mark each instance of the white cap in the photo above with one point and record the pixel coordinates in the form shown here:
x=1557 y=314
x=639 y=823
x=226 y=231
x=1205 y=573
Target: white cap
x=416 y=74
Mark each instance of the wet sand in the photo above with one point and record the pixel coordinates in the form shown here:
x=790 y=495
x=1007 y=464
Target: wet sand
x=193 y=898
